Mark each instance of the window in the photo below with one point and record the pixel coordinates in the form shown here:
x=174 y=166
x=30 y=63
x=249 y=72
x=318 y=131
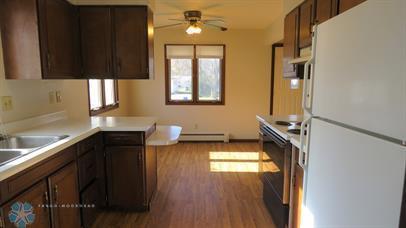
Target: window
x=103 y=95
x=195 y=74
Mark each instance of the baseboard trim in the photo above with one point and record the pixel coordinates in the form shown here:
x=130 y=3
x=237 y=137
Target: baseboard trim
x=243 y=140
x=231 y=141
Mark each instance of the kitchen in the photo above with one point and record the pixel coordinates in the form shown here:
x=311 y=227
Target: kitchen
x=144 y=113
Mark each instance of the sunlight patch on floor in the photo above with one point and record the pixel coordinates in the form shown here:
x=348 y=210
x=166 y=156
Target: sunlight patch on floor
x=220 y=155
x=246 y=167
x=233 y=161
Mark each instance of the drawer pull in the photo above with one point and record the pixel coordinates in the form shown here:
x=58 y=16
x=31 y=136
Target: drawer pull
x=56 y=193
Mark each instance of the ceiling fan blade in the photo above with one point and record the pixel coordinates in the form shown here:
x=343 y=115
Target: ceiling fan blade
x=167 y=14
x=217 y=26
x=183 y=20
x=212 y=16
x=214 y=20
x=166 y=26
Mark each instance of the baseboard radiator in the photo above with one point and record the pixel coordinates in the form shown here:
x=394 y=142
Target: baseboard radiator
x=204 y=137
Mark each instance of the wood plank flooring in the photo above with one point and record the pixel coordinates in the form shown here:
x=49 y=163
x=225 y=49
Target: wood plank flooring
x=198 y=187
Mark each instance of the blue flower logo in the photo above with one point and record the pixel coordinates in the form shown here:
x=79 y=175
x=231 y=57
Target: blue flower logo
x=21 y=214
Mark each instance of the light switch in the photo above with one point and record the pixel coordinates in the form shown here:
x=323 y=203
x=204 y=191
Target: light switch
x=6 y=103
x=58 y=97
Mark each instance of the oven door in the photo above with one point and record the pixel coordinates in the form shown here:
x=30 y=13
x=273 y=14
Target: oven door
x=273 y=162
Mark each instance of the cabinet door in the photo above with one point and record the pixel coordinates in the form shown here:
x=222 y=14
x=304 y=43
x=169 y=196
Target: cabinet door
x=64 y=191
x=125 y=182
x=37 y=197
x=59 y=35
x=323 y=11
x=306 y=23
x=95 y=25
x=290 y=43
x=90 y=198
x=131 y=42
x=344 y=5
x=297 y=195
x=151 y=168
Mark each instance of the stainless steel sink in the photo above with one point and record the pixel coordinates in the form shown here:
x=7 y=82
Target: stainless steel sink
x=28 y=142
x=9 y=155
x=17 y=146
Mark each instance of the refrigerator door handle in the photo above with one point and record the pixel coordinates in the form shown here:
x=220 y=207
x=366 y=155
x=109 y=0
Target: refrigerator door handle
x=308 y=79
x=302 y=162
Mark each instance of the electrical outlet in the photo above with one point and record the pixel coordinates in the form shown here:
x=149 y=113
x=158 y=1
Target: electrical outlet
x=196 y=126
x=6 y=103
x=52 y=97
x=58 y=97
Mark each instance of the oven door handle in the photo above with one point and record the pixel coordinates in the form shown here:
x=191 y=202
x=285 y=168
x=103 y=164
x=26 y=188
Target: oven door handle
x=277 y=141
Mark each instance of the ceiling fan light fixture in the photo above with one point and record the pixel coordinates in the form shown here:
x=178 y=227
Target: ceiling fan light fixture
x=193 y=29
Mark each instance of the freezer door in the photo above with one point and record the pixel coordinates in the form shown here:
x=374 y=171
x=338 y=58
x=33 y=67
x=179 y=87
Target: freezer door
x=352 y=179
x=360 y=68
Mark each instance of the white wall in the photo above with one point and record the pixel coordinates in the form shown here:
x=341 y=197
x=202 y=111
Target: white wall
x=247 y=85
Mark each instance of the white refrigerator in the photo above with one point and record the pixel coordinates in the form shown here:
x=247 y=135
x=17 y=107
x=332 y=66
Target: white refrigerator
x=354 y=152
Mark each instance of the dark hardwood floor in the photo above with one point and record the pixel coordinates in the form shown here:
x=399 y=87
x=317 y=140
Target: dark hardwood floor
x=202 y=185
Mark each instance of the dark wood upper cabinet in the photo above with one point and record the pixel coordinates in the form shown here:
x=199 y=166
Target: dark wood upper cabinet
x=117 y=42
x=59 y=32
x=306 y=23
x=64 y=190
x=132 y=43
x=36 y=195
x=49 y=48
x=323 y=11
x=96 y=38
x=344 y=5
x=290 y=43
x=63 y=41
x=21 y=54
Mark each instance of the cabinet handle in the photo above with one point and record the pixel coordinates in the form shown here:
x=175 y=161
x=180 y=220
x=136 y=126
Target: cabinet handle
x=49 y=61
x=46 y=199
x=119 y=64
x=140 y=158
x=56 y=193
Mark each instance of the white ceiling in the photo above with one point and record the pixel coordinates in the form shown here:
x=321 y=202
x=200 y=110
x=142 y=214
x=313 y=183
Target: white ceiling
x=238 y=14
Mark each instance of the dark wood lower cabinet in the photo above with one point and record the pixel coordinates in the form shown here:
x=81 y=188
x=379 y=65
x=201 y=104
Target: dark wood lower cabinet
x=90 y=199
x=69 y=188
x=297 y=191
x=37 y=196
x=64 y=192
x=125 y=176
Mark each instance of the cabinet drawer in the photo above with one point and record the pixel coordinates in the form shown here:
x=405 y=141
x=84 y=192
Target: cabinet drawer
x=123 y=138
x=89 y=197
x=87 y=168
x=86 y=145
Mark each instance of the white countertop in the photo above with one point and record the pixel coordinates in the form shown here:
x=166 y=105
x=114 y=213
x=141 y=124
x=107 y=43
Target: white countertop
x=282 y=130
x=77 y=131
x=164 y=136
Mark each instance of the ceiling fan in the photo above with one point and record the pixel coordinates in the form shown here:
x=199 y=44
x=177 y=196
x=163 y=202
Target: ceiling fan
x=193 y=18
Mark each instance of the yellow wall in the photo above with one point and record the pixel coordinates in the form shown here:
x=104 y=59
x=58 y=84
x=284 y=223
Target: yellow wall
x=286 y=101
x=247 y=85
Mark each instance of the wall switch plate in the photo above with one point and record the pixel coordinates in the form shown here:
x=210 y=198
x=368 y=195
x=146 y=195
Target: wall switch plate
x=6 y=103
x=58 y=97
x=52 y=97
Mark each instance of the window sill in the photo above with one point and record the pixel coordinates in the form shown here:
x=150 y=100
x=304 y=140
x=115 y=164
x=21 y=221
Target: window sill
x=195 y=103
x=104 y=109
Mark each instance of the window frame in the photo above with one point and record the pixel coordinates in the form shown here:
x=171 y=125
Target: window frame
x=195 y=78
x=104 y=108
